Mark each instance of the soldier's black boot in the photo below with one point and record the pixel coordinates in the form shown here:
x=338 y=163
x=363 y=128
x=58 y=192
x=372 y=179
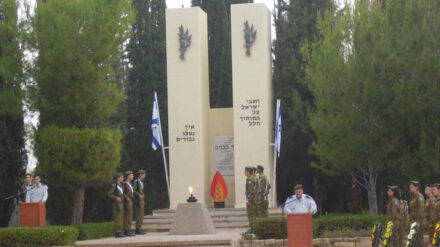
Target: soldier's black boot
x=119 y=235
x=129 y=234
x=139 y=232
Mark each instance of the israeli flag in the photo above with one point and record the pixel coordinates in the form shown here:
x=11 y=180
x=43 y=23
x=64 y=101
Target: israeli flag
x=155 y=124
x=278 y=128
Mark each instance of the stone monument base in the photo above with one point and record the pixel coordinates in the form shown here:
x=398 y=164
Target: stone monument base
x=192 y=219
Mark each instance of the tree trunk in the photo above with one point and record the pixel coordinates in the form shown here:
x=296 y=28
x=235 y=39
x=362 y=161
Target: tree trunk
x=78 y=206
x=371 y=190
x=317 y=195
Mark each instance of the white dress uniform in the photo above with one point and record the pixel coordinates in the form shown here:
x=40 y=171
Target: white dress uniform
x=303 y=205
x=37 y=193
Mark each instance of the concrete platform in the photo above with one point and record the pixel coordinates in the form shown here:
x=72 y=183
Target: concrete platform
x=221 y=239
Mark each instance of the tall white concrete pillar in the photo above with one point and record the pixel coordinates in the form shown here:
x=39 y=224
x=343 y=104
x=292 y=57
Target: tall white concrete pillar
x=252 y=92
x=188 y=102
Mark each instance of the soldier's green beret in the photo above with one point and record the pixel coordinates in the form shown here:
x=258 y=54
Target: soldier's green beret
x=415 y=183
x=128 y=173
x=260 y=167
x=141 y=171
x=437 y=184
x=429 y=185
x=393 y=187
x=117 y=175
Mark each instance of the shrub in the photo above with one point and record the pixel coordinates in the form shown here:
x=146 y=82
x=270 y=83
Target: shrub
x=95 y=230
x=271 y=227
x=38 y=236
x=276 y=227
x=341 y=222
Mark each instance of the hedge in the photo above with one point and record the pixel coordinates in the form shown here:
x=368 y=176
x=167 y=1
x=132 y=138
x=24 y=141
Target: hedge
x=276 y=227
x=271 y=227
x=38 y=236
x=340 y=222
x=95 y=230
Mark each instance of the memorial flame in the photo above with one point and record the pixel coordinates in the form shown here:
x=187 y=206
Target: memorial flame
x=219 y=191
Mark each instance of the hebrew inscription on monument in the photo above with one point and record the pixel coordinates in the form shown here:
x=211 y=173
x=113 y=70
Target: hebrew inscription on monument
x=224 y=155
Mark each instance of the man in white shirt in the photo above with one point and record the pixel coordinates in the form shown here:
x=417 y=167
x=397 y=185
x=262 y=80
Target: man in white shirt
x=38 y=192
x=300 y=202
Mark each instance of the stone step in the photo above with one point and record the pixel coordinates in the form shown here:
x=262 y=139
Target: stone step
x=224 y=219
x=165 y=231
x=217 y=224
x=217 y=212
x=168 y=219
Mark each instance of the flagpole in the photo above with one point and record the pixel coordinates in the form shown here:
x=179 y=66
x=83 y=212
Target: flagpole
x=163 y=148
x=274 y=202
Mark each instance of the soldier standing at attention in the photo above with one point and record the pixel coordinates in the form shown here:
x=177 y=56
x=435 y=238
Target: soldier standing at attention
x=436 y=207
x=429 y=205
x=417 y=207
x=264 y=187
x=128 y=203
x=251 y=188
x=116 y=194
x=138 y=188
x=395 y=214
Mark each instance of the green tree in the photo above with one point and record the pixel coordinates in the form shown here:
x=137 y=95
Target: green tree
x=295 y=25
x=77 y=43
x=220 y=63
x=370 y=75
x=79 y=158
x=12 y=152
x=219 y=46
x=146 y=55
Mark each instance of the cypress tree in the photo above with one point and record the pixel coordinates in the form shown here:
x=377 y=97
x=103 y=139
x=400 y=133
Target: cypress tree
x=219 y=47
x=146 y=55
x=295 y=24
x=12 y=152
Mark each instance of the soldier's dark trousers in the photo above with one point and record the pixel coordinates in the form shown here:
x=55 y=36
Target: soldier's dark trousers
x=139 y=211
x=118 y=216
x=128 y=216
x=251 y=213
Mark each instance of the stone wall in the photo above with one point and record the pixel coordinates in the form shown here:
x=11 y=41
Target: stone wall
x=321 y=242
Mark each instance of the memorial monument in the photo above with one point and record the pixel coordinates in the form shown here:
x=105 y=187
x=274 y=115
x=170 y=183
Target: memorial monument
x=202 y=140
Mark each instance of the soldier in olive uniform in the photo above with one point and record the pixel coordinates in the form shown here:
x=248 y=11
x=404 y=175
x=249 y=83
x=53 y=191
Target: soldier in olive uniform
x=264 y=187
x=128 y=203
x=257 y=199
x=138 y=188
x=436 y=207
x=395 y=214
x=116 y=194
x=417 y=207
x=251 y=189
x=429 y=204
